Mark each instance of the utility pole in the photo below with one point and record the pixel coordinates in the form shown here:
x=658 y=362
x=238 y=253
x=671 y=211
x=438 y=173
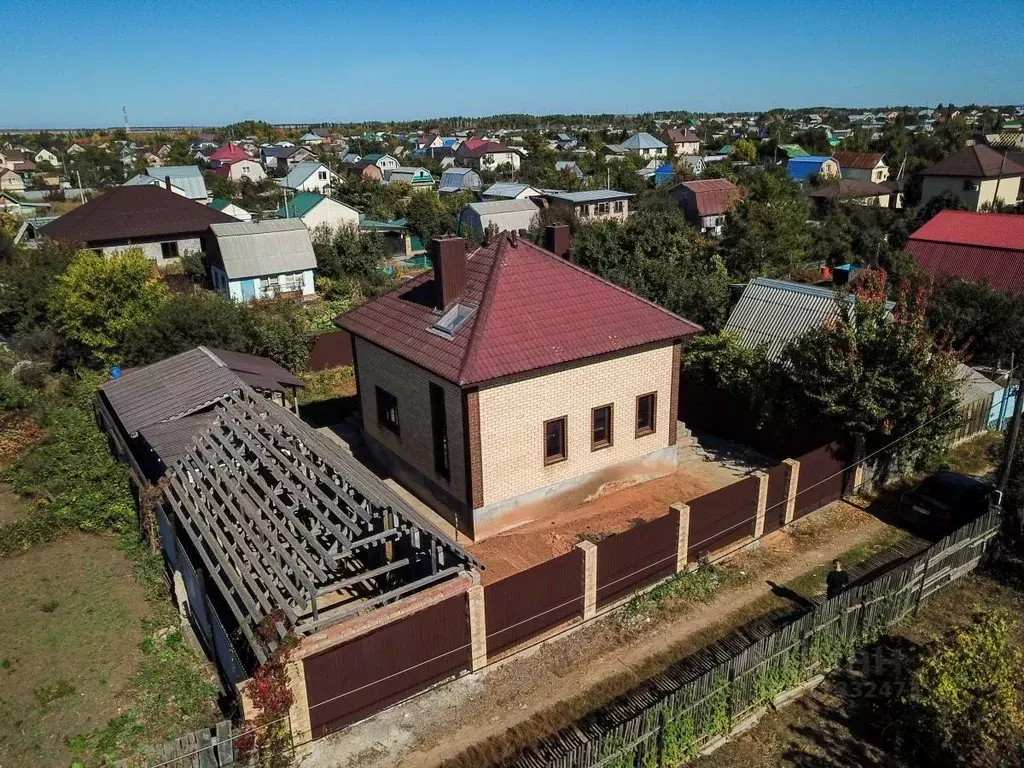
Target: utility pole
x=1012 y=445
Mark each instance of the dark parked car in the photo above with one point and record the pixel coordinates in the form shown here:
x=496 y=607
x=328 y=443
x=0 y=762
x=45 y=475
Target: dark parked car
x=947 y=498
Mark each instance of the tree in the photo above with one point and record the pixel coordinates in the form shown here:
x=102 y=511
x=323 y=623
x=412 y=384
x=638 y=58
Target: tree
x=744 y=149
x=969 y=687
x=27 y=279
x=983 y=323
x=875 y=374
x=278 y=329
x=953 y=134
x=767 y=234
x=946 y=201
x=184 y=322
x=427 y=217
x=100 y=300
x=355 y=263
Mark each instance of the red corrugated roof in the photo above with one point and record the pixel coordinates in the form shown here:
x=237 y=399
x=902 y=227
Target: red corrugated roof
x=713 y=196
x=1003 y=269
x=534 y=310
x=990 y=230
x=860 y=160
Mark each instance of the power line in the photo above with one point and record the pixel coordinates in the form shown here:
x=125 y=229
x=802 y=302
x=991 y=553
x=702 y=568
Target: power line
x=597 y=614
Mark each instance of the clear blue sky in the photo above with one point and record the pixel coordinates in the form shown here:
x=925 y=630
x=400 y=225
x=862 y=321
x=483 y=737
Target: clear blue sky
x=66 y=64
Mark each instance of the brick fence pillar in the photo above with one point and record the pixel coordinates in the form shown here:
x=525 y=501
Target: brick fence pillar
x=477 y=626
x=794 y=478
x=589 y=579
x=683 y=544
x=859 y=451
x=762 y=503
x=298 y=715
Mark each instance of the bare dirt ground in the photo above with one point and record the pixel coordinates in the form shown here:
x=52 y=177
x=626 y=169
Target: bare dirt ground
x=480 y=719
x=69 y=640
x=611 y=512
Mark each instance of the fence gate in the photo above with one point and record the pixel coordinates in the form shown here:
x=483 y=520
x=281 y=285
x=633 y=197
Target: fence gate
x=362 y=677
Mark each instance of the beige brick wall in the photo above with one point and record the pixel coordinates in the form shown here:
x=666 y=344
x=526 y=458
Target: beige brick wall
x=512 y=417
x=377 y=367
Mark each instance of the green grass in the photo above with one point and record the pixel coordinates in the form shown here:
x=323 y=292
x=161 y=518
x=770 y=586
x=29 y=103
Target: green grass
x=978 y=456
x=812 y=583
x=683 y=588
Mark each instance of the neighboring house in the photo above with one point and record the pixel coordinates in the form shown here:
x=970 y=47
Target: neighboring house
x=384 y=162
x=186 y=180
x=684 y=142
x=226 y=206
x=508 y=190
x=266 y=260
x=11 y=181
x=12 y=205
x=882 y=195
x=46 y=156
x=315 y=210
x=477 y=219
x=152 y=418
x=978 y=175
x=862 y=166
x=311 y=177
x=508 y=382
x=772 y=313
x=695 y=162
x=614 y=152
x=417 y=178
x=75 y=149
x=594 y=204
x=789 y=151
x=242 y=169
x=571 y=167
x=458 y=180
x=645 y=145
x=400 y=242
x=800 y=168
x=489 y=156
x=163 y=224
x=366 y=170
x=974 y=247
x=290 y=156
x=429 y=141
x=311 y=139
x=706 y=202
x=227 y=152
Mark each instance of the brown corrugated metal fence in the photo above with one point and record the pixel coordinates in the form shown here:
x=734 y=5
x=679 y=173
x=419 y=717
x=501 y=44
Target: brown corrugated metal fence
x=722 y=517
x=331 y=350
x=775 y=507
x=364 y=676
x=822 y=477
x=635 y=558
x=530 y=602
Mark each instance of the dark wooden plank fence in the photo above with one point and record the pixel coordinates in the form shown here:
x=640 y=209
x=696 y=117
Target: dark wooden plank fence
x=528 y=603
x=704 y=696
x=633 y=559
x=208 y=748
x=362 y=677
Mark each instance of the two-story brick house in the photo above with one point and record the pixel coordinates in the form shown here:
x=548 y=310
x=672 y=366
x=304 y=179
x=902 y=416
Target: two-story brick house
x=508 y=382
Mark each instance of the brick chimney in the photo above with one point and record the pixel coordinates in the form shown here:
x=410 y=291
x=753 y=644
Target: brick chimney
x=556 y=239
x=448 y=259
x=167 y=183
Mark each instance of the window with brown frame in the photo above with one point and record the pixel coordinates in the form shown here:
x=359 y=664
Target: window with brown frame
x=600 y=427
x=554 y=441
x=646 y=414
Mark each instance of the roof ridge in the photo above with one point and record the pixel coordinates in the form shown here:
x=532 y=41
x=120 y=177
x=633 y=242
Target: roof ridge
x=483 y=311
x=212 y=356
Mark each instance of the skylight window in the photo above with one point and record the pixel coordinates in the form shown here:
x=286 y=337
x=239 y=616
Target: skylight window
x=450 y=322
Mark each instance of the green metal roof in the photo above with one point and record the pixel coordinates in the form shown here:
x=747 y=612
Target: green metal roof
x=794 y=150
x=384 y=225
x=220 y=203
x=299 y=205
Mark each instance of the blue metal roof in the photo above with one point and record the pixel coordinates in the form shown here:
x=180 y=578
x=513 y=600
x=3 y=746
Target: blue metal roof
x=802 y=167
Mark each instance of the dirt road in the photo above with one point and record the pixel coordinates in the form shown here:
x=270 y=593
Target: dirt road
x=481 y=718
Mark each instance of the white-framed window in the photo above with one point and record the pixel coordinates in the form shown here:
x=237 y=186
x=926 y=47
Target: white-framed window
x=602 y=208
x=322 y=175
x=292 y=282
x=619 y=206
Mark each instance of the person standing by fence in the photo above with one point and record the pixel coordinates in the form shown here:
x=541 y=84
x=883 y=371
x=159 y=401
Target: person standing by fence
x=837 y=580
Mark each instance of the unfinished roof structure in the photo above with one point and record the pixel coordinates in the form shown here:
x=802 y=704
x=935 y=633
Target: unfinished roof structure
x=291 y=528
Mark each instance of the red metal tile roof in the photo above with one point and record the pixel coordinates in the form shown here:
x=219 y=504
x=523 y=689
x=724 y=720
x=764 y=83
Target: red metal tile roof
x=990 y=230
x=228 y=152
x=978 y=247
x=133 y=213
x=977 y=161
x=534 y=310
x=860 y=160
x=713 y=196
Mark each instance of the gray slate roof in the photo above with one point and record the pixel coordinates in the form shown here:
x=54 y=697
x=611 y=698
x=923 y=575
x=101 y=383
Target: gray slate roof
x=186 y=383
x=772 y=313
x=589 y=196
x=302 y=171
x=506 y=189
x=186 y=177
x=643 y=140
x=270 y=247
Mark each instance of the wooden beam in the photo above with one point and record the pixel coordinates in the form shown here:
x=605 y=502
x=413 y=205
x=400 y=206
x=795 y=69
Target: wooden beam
x=363 y=577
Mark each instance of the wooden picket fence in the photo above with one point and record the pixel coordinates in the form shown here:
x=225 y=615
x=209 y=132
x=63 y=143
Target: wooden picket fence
x=720 y=690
